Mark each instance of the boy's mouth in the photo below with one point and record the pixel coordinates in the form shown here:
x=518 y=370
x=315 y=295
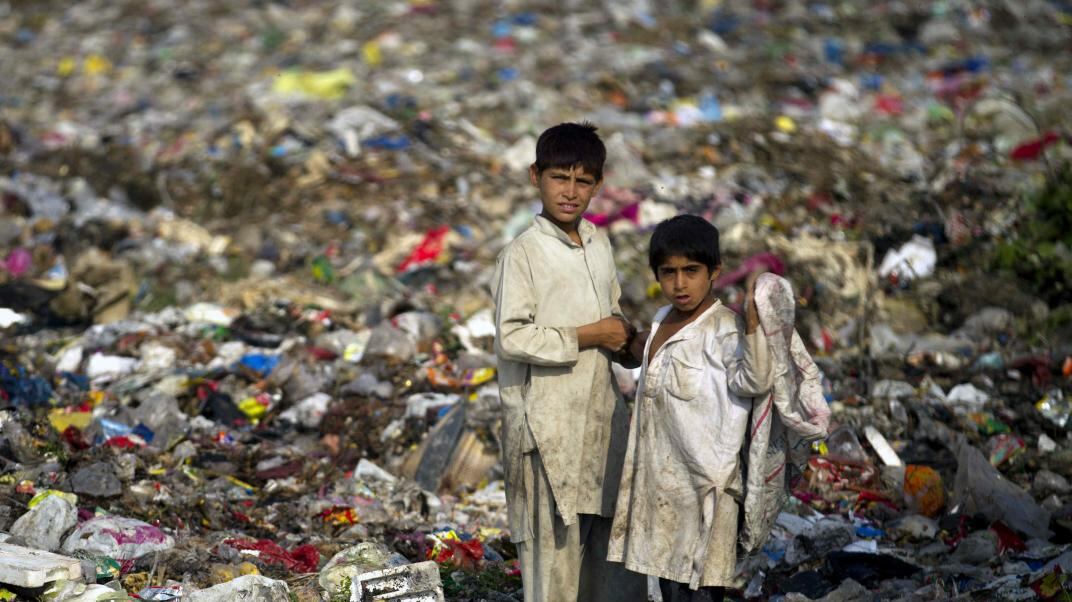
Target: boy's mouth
x=681 y=299
x=569 y=207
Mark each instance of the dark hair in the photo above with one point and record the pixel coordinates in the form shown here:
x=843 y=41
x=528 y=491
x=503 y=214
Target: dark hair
x=571 y=144
x=689 y=236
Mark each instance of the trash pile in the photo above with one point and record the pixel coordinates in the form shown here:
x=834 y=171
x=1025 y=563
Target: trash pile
x=246 y=334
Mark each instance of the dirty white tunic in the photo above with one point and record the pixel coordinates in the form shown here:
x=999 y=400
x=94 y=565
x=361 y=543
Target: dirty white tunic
x=677 y=509
x=558 y=401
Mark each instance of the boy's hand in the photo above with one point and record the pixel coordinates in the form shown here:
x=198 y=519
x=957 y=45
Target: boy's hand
x=640 y=340
x=751 y=312
x=610 y=333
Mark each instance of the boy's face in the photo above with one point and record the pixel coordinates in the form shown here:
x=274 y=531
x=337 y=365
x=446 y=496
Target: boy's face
x=685 y=282
x=565 y=193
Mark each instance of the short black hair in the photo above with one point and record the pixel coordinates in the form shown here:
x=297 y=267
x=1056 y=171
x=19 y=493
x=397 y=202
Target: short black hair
x=688 y=236
x=571 y=144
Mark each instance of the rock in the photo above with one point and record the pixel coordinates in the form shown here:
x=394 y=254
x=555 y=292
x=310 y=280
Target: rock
x=97 y=480
x=1047 y=483
x=848 y=591
x=977 y=548
x=826 y=535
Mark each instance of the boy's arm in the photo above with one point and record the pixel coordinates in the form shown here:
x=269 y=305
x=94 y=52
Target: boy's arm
x=628 y=356
x=748 y=370
x=517 y=338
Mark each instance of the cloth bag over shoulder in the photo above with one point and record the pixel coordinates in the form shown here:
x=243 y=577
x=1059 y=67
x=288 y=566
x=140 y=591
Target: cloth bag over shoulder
x=784 y=422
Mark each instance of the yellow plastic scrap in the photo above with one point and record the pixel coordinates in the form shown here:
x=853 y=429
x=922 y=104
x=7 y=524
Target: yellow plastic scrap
x=479 y=376
x=222 y=573
x=441 y=537
x=253 y=409
x=354 y=352
x=96 y=64
x=370 y=51
x=70 y=497
x=785 y=124
x=326 y=85
x=250 y=489
x=486 y=533
x=135 y=581
x=61 y=419
x=66 y=66
x=192 y=473
x=6 y=595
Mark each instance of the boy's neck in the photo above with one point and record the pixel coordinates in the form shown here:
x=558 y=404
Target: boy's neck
x=571 y=229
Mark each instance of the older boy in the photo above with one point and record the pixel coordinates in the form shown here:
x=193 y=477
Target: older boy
x=565 y=423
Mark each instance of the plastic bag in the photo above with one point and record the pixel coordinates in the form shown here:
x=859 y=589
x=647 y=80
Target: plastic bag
x=979 y=487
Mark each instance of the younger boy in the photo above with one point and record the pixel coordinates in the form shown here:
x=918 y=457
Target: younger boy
x=677 y=508
x=565 y=423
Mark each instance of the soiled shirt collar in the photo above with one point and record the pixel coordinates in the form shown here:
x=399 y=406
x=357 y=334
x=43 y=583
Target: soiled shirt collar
x=586 y=229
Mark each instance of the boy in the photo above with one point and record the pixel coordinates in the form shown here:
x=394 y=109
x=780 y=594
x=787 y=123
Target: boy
x=565 y=423
x=677 y=508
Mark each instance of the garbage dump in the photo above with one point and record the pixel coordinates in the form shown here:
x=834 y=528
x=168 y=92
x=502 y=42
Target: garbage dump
x=245 y=248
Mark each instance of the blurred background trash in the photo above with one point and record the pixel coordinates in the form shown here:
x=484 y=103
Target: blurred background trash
x=246 y=249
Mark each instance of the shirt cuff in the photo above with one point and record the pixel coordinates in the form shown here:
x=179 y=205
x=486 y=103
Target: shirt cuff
x=569 y=342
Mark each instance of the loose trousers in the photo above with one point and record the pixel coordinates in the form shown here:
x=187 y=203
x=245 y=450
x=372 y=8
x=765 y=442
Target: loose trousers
x=569 y=564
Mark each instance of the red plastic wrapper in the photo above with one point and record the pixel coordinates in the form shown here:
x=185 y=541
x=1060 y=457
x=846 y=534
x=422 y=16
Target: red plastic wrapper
x=302 y=559
x=1007 y=539
x=75 y=439
x=462 y=554
x=1033 y=149
x=428 y=251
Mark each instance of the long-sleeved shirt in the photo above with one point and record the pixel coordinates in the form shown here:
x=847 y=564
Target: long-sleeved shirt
x=557 y=399
x=682 y=465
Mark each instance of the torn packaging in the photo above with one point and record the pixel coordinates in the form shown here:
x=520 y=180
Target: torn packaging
x=784 y=422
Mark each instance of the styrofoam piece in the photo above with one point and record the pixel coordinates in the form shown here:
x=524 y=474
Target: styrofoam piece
x=27 y=567
x=418 y=582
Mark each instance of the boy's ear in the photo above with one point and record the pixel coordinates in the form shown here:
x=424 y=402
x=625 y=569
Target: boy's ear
x=534 y=175
x=715 y=273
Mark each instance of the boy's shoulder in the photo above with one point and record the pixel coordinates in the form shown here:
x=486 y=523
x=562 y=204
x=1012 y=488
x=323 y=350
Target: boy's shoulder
x=724 y=320
x=520 y=242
